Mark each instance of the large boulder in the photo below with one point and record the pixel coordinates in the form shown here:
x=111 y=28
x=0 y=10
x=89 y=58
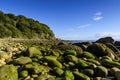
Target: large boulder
x=106 y=40
x=8 y=72
x=100 y=50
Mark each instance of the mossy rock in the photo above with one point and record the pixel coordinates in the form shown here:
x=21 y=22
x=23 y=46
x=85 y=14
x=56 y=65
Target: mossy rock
x=101 y=71
x=80 y=76
x=88 y=72
x=109 y=63
x=33 y=52
x=52 y=61
x=57 y=71
x=65 y=47
x=45 y=76
x=68 y=75
x=100 y=50
x=24 y=73
x=71 y=65
x=70 y=52
x=36 y=68
x=113 y=71
x=3 y=54
x=59 y=78
x=88 y=55
x=71 y=58
x=105 y=40
x=94 y=61
x=54 y=53
x=22 y=60
x=8 y=72
x=82 y=63
x=112 y=47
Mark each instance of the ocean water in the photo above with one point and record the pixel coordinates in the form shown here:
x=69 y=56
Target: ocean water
x=78 y=41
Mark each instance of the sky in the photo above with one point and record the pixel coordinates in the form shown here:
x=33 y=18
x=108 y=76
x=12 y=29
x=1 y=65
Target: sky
x=71 y=19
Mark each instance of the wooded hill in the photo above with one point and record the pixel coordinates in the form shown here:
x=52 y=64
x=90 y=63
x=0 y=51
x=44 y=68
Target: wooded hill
x=12 y=26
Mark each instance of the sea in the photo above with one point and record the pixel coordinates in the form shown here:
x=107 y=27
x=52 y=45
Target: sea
x=79 y=41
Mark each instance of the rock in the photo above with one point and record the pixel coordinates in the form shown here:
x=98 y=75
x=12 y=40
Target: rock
x=80 y=76
x=88 y=72
x=117 y=75
x=68 y=75
x=83 y=45
x=98 y=78
x=70 y=52
x=87 y=55
x=45 y=76
x=93 y=61
x=112 y=47
x=36 y=68
x=101 y=71
x=33 y=52
x=70 y=47
x=2 y=62
x=82 y=63
x=113 y=71
x=106 y=40
x=52 y=61
x=54 y=53
x=24 y=73
x=109 y=63
x=100 y=50
x=58 y=71
x=3 y=54
x=8 y=72
x=22 y=60
x=71 y=58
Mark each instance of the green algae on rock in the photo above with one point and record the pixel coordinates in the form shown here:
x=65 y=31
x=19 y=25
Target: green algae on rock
x=33 y=52
x=22 y=60
x=80 y=76
x=101 y=71
x=8 y=72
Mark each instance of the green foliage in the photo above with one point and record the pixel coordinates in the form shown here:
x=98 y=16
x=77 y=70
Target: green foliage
x=22 y=27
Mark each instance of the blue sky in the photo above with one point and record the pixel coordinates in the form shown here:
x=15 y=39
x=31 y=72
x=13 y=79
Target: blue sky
x=71 y=19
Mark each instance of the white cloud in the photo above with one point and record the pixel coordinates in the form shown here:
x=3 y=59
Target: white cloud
x=115 y=35
x=85 y=25
x=97 y=16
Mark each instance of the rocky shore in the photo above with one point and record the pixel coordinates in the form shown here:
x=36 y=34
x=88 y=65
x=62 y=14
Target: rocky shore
x=60 y=60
